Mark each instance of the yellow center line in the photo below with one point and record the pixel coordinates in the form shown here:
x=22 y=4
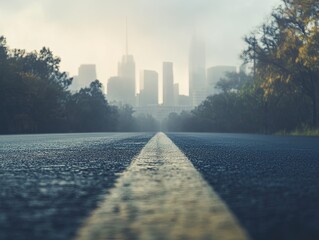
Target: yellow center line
x=161 y=196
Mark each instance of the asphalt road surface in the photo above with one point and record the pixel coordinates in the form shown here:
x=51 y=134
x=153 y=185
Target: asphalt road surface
x=264 y=186
x=271 y=183
x=50 y=183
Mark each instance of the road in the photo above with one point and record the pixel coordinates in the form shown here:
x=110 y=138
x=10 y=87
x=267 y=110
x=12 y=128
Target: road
x=50 y=183
x=269 y=182
x=265 y=187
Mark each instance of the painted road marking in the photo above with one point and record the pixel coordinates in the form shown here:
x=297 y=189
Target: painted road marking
x=161 y=196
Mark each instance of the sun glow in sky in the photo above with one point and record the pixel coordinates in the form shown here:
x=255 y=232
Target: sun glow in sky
x=93 y=31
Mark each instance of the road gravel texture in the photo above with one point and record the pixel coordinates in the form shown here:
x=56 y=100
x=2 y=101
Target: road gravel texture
x=50 y=183
x=271 y=183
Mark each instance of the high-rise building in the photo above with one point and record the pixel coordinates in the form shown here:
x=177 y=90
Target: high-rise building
x=122 y=87
x=197 y=71
x=215 y=74
x=126 y=72
x=184 y=100
x=148 y=88
x=168 y=84
x=115 y=86
x=86 y=75
x=176 y=94
x=75 y=84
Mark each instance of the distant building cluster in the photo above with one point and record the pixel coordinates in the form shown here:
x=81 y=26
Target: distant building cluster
x=121 y=89
x=148 y=95
x=86 y=75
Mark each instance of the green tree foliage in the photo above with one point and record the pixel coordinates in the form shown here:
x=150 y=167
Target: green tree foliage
x=146 y=123
x=282 y=93
x=32 y=90
x=125 y=120
x=185 y=121
x=285 y=51
x=34 y=98
x=233 y=81
x=88 y=110
x=242 y=107
x=235 y=109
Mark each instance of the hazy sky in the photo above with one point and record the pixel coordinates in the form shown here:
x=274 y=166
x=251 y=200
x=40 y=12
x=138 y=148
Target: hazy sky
x=93 y=31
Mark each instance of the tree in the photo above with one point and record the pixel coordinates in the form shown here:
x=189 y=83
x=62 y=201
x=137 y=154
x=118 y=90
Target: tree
x=286 y=50
x=88 y=110
x=146 y=123
x=233 y=81
x=34 y=98
x=33 y=91
x=45 y=87
x=125 y=120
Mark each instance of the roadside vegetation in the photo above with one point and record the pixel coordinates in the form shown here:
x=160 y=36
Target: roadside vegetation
x=304 y=131
x=34 y=98
x=281 y=92
x=279 y=95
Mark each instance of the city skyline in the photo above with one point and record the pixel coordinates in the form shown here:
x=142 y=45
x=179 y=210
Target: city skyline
x=93 y=32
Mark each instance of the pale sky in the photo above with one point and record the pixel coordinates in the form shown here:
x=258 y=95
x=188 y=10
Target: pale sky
x=93 y=31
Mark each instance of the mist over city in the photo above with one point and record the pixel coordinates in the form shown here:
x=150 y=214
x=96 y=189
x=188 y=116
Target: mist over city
x=93 y=32
x=171 y=119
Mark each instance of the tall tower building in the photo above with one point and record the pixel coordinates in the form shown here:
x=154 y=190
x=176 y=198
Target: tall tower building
x=197 y=71
x=126 y=78
x=168 y=84
x=126 y=72
x=86 y=75
x=115 y=89
x=148 y=88
x=176 y=94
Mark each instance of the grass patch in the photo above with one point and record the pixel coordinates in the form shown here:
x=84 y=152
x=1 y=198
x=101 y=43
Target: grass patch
x=305 y=131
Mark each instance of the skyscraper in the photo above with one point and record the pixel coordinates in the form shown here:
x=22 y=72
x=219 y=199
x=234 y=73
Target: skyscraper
x=176 y=94
x=168 y=84
x=115 y=86
x=197 y=72
x=126 y=72
x=124 y=83
x=148 y=88
x=86 y=75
